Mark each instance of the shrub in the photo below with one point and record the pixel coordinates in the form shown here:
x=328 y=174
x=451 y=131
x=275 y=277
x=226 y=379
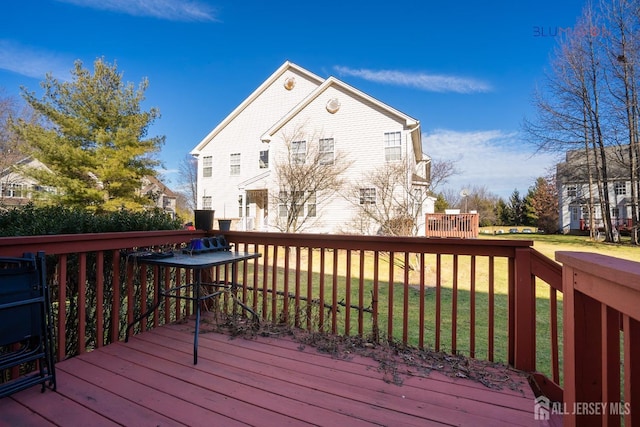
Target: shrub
x=30 y=220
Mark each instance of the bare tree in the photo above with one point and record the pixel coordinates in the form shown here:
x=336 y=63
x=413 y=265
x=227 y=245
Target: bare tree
x=187 y=181
x=623 y=51
x=441 y=171
x=308 y=173
x=390 y=200
x=10 y=142
x=572 y=114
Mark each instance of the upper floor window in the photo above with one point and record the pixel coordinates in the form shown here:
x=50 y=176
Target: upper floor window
x=235 y=163
x=572 y=190
x=264 y=159
x=367 y=196
x=326 y=151
x=392 y=146
x=298 y=152
x=207 y=166
x=620 y=188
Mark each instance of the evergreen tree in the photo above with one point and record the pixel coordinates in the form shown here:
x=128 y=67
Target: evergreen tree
x=441 y=203
x=92 y=138
x=544 y=204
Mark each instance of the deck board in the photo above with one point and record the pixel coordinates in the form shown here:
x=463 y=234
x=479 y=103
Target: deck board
x=151 y=381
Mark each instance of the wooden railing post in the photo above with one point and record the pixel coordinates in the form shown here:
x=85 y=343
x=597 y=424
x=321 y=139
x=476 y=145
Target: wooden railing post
x=599 y=292
x=525 y=313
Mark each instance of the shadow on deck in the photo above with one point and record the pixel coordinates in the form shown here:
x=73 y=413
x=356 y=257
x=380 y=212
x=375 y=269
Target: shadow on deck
x=264 y=381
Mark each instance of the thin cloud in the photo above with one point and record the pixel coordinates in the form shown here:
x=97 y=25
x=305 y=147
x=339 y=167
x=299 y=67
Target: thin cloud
x=497 y=160
x=171 y=10
x=32 y=62
x=427 y=82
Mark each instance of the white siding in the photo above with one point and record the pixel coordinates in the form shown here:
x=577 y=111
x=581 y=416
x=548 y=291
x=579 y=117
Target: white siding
x=358 y=129
x=242 y=135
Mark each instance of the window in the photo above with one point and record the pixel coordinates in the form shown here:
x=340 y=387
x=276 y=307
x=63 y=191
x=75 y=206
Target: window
x=615 y=212
x=295 y=199
x=15 y=190
x=326 y=151
x=311 y=204
x=575 y=213
x=264 y=159
x=298 y=152
x=392 y=146
x=247 y=207
x=367 y=196
x=235 y=163
x=620 y=188
x=206 y=202
x=282 y=204
x=572 y=190
x=207 y=166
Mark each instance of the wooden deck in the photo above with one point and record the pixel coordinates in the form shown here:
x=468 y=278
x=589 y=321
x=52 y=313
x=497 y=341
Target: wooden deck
x=151 y=381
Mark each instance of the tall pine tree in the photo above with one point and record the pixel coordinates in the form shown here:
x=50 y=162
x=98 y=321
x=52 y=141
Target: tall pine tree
x=93 y=138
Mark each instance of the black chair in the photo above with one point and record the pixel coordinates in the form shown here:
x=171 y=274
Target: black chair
x=26 y=325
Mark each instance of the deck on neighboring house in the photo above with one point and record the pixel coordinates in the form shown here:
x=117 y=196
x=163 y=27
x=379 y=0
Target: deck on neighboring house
x=261 y=381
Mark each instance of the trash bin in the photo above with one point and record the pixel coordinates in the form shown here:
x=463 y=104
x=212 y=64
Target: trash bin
x=204 y=219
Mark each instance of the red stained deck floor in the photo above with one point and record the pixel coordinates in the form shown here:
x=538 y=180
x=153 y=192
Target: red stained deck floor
x=151 y=381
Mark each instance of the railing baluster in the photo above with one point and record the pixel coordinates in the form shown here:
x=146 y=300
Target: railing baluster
x=491 y=319
x=454 y=306
x=265 y=275
x=438 y=300
x=256 y=263
x=82 y=302
x=285 y=300
x=390 y=297
x=274 y=286
x=297 y=285
x=321 y=291
x=347 y=290
x=472 y=308
x=374 y=303
x=405 y=303
x=99 y=299
x=555 y=365
x=309 y=288
x=422 y=323
x=115 y=304
x=62 y=306
x=143 y=298
x=361 y=293
x=334 y=294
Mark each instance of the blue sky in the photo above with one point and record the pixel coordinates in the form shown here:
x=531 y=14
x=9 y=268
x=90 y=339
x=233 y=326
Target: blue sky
x=465 y=69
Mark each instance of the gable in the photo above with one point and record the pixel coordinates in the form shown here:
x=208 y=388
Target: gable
x=284 y=89
x=334 y=97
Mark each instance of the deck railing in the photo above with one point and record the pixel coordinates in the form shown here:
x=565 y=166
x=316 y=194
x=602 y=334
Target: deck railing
x=488 y=299
x=464 y=226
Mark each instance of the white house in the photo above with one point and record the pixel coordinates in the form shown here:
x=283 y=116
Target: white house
x=574 y=195
x=237 y=160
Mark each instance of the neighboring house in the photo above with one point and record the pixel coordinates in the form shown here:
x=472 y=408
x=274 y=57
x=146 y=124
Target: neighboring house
x=163 y=197
x=572 y=178
x=17 y=189
x=237 y=159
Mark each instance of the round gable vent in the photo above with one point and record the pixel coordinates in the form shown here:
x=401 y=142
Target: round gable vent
x=289 y=83
x=333 y=105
